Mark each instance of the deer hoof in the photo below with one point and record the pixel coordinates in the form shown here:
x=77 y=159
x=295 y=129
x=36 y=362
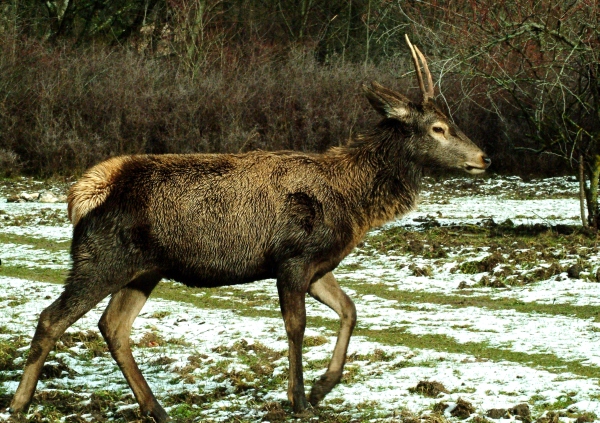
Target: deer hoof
x=13 y=411
x=305 y=413
x=323 y=386
x=158 y=415
x=300 y=405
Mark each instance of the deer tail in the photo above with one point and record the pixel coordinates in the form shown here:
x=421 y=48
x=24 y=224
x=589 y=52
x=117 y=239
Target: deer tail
x=93 y=188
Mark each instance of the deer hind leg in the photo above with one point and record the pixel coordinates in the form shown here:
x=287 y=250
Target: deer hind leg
x=327 y=291
x=115 y=326
x=79 y=296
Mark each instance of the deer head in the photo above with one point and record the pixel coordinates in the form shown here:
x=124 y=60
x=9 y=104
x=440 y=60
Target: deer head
x=438 y=142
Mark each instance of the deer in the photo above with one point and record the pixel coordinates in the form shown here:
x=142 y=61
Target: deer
x=210 y=220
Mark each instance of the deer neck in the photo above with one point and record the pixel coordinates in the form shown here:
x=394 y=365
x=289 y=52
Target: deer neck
x=381 y=175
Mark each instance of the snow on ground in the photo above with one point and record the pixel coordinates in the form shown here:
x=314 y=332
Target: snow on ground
x=473 y=209
x=521 y=332
x=385 y=269
x=26 y=255
x=58 y=233
x=30 y=220
x=486 y=384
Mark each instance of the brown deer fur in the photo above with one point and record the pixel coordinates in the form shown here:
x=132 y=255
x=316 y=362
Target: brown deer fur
x=219 y=219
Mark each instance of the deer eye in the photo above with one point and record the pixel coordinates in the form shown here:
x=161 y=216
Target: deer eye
x=438 y=129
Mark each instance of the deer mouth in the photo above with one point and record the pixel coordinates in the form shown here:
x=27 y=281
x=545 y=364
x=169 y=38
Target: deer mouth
x=474 y=170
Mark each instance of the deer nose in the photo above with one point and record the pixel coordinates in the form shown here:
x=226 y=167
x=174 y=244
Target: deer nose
x=486 y=160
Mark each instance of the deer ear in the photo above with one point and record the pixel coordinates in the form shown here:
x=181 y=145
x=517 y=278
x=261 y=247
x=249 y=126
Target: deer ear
x=387 y=102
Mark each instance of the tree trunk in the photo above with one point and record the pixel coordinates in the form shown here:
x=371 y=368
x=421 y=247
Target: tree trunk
x=593 y=211
x=196 y=30
x=582 y=195
x=591 y=193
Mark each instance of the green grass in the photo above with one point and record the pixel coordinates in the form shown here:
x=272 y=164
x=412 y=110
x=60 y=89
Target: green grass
x=57 y=276
x=540 y=405
x=393 y=337
x=35 y=242
x=515 y=249
x=480 y=350
x=500 y=237
x=211 y=298
x=410 y=299
x=350 y=267
x=8 y=352
x=439 y=240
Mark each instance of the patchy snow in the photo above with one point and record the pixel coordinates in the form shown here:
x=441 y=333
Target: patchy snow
x=506 y=187
x=485 y=384
x=26 y=255
x=28 y=219
x=391 y=270
x=386 y=384
x=472 y=210
x=507 y=329
x=58 y=233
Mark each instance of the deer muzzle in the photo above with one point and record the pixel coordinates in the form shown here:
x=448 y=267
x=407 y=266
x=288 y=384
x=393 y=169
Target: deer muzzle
x=478 y=166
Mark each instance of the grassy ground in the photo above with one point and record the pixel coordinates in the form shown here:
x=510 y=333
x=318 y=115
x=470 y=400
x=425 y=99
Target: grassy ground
x=489 y=259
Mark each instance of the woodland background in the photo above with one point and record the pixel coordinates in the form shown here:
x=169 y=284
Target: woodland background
x=82 y=80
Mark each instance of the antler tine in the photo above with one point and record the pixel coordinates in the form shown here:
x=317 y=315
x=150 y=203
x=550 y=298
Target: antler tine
x=430 y=93
x=417 y=66
x=427 y=94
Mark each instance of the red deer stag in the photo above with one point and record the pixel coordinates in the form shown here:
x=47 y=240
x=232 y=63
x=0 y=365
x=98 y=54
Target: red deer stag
x=210 y=220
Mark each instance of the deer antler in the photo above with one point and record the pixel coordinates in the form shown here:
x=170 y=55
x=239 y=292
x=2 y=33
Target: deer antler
x=427 y=94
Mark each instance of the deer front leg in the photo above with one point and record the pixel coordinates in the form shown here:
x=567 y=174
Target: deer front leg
x=291 y=300
x=327 y=291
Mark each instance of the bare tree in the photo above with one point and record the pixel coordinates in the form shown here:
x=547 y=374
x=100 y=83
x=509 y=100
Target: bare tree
x=536 y=62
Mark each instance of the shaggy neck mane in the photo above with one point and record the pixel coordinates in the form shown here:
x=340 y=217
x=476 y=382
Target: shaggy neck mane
x=381 y=170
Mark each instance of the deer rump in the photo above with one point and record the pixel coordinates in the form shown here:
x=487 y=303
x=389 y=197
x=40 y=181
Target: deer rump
x=211 y=220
